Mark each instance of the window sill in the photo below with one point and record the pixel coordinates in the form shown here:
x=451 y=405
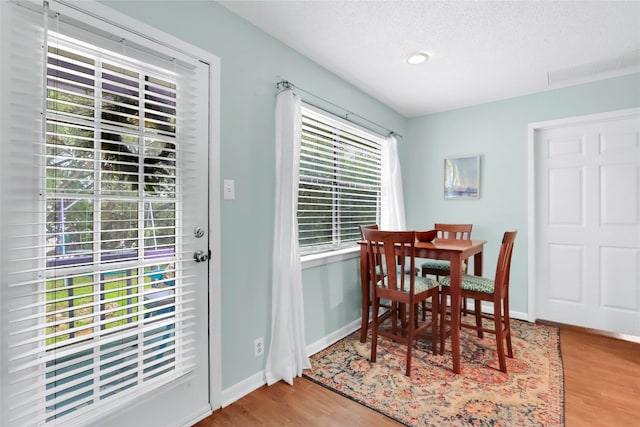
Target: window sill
x=315 y=260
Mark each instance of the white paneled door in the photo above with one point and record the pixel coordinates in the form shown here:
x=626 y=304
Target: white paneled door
x=587 y=222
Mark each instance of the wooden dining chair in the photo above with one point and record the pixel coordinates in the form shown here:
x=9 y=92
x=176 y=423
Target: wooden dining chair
x=365 y=323
x=438 y=267
x=379 y=273
x=400 y=289
x=494 y=290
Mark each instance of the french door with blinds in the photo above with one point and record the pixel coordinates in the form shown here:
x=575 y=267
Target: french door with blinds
x=104 y=196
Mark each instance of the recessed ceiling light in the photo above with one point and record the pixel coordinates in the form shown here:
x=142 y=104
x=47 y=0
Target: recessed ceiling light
x=418 y=58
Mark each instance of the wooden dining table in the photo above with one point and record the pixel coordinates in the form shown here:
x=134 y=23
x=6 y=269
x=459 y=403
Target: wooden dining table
x=456 y=251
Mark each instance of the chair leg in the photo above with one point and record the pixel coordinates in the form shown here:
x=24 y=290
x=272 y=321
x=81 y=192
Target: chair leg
x=478 y=312
x=374 y=329
x=497 y=319
x=410 y=333
x=365 y=322
x=424 y=303
x=435 y=313
x=403 y=317
x=443 y=316
x=507 y=327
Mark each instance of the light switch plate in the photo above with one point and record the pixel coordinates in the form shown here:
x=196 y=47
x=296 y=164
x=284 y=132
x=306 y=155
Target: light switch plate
x=229 y=189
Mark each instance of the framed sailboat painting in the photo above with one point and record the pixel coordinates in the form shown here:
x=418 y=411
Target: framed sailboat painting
x=462 y=177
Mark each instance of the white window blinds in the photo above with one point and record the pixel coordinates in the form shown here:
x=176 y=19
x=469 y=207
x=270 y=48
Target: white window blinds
x=339 y=186
x=96 y=301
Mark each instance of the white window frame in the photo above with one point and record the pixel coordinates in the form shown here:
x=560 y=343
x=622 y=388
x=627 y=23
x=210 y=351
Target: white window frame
x=336 y=251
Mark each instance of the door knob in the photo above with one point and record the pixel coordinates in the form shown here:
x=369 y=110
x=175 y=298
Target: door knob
x=200 y=256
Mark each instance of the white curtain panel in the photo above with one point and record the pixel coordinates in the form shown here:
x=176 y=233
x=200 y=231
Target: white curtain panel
x=392 y=215
x=287 y=355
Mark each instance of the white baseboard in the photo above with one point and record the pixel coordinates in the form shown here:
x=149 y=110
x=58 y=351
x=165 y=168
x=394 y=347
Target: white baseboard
x=332 y=338
x=243 y=388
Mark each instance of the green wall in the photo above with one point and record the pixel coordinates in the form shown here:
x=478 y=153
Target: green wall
x=331 y=297
x=252 y=63
x=498 y=132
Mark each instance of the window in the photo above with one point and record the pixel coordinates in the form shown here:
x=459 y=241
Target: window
x=110 y=203
x=339 y=186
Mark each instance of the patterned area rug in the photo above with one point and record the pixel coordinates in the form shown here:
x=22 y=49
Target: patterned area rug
x=531 y=394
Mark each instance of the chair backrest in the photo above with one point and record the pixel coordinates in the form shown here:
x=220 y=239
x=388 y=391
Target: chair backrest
x=382 y=250
x=454 y=231
x=503 y=267
x=370 y=226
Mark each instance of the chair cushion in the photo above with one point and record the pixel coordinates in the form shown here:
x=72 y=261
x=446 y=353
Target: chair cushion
x=472 y=283
x=436 y=264
x=440 y=265
x=422 y=283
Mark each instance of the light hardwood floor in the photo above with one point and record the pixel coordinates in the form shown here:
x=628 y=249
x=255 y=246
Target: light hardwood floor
x=602 y=388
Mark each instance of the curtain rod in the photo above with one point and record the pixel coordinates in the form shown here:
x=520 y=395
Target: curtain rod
x=286 y=85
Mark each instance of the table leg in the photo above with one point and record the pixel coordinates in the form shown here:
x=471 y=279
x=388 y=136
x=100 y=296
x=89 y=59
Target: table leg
x=364 y=283
x=477 y=264
x=477 y=270
x=455 y=271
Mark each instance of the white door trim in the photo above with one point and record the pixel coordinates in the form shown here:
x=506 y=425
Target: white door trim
x=531 y=200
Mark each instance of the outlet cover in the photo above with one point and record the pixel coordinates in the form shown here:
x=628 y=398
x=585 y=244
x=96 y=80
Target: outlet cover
x=258 y=347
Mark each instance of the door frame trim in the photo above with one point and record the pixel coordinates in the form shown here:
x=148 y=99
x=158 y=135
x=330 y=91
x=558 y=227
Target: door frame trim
x=532 y=130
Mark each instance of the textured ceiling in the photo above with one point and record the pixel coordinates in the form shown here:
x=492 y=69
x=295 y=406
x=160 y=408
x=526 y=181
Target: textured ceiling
x=481 y=51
